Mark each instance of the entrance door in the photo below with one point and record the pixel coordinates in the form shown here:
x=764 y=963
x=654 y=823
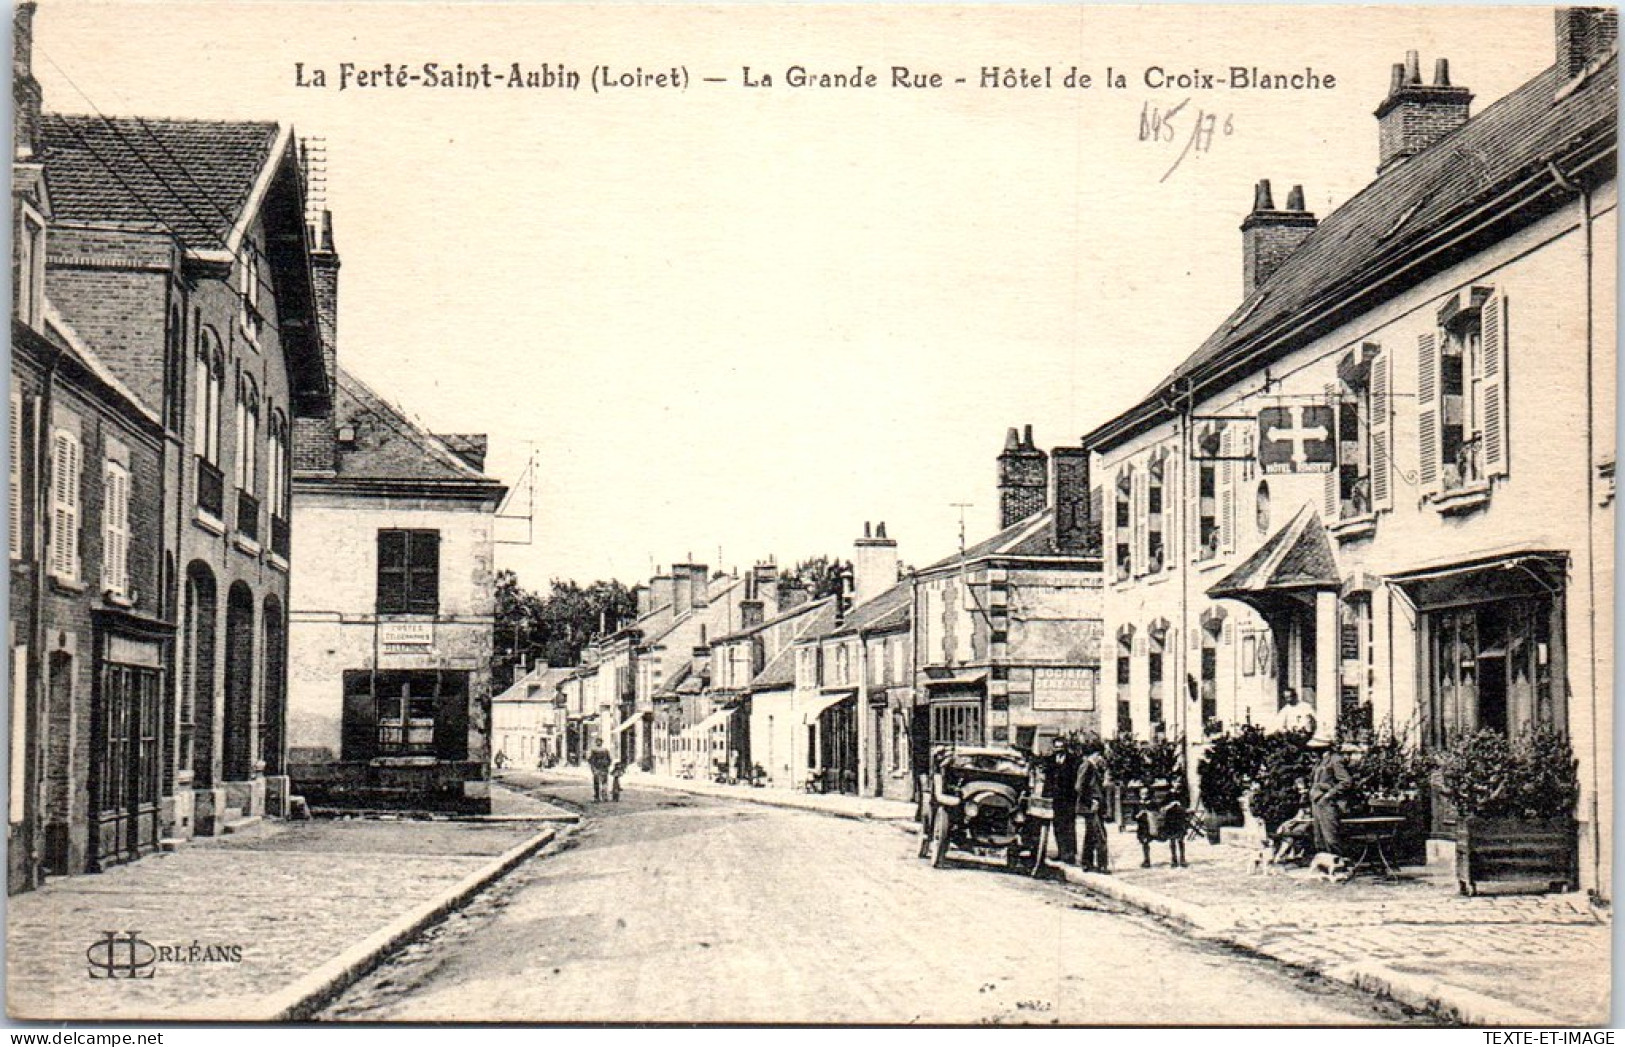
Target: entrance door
x=125 y=765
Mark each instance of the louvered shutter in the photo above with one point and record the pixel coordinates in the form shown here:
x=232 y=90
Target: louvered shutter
x=64 y=558
x=423 y=572
x=1171 y=509
x=1142 y=519
x=391 y=572
x=14 y=522
x=1494 y=408
x=1427 y=412
x=1227 y=492
x=1193 y=503
x=115 y=528
x=1331 y=480
x=1381 y=435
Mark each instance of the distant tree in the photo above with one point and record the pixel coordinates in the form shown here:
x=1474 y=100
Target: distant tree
x=553 y=629
x=820 y=576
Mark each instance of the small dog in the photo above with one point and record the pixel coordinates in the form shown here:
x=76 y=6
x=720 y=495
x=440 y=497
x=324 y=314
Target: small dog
x=1331 y=867
x=1264 y=861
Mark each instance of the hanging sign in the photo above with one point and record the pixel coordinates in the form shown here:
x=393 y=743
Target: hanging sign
x=1297 y=439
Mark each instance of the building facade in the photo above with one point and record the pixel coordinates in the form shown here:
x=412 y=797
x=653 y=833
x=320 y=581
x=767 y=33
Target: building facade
x=1386 y=481
x=525 y=725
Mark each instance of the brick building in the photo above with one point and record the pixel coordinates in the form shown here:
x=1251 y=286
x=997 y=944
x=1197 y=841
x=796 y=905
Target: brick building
x=1386 y=481
x=181 y=256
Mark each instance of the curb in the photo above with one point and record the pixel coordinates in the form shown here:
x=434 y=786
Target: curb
x=1448 y=1002
x=297 y=1002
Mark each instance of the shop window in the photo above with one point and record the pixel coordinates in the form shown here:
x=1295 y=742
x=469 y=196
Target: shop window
x=1492 y=667
x=405 y=713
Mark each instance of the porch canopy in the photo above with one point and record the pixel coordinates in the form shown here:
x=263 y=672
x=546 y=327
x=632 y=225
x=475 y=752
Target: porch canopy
x=1533 y=572
x=825 y=700
x=1296 y=561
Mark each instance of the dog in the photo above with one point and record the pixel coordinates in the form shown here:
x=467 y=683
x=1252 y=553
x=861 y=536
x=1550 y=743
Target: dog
x=1265 y=862
x=1331 y=867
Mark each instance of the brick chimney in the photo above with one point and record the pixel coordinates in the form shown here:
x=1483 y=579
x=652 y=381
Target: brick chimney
x=316 y=439
x=767 y=587
x=1023 y=479
x=1416 y=115
x=1269 y=236
x=1584 y=34
x=26 y=96
x=662 y=591
x=641 y=594
x=1071 y=469
x=874 y=564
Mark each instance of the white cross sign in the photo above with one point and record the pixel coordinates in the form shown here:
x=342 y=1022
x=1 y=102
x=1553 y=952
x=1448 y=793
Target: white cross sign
x=1297 y=439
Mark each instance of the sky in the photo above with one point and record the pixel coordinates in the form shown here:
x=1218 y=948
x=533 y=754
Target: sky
x=730 y=323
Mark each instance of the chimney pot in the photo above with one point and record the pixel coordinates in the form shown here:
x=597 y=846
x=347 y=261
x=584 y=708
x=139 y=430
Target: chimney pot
x=1416 y=115
x=880 y=531
x=1012 y=442
x=866 y=532
x=1397 y=80
x=1027 y=438
x=1294 y=199
x=1413 y=67
x=1441 y=72
x=1263 y=198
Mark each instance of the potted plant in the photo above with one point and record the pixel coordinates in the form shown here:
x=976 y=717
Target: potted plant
x=1391 y=775
x=1227 y=772
x=1126 y=764
x=1515 y=799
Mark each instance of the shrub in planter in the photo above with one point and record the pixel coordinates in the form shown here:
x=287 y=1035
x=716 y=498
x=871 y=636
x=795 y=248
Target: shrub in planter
x=1160 y=760
x=1228 y=768
x=1516 y=800
x=1281 y=787
x=1124 y=760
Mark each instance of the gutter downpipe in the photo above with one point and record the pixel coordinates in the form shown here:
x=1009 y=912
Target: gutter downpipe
x=1584 y=196
x=44 y=483
x=1184 y=406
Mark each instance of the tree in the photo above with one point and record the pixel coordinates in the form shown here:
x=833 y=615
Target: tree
x=553 y=629
x=820 y=576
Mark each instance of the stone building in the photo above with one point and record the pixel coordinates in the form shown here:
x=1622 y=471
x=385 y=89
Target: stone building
x=525 y=728
x=393 y=616
x=1386 y=480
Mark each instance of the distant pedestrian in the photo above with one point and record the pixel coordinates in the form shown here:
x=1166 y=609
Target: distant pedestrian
x=501 y=760
x=1092 y=782
x=1061 y=786
x=599 y=760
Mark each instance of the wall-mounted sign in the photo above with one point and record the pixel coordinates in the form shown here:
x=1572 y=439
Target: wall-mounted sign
x=1297 y=439
x=1064 y=689
x=406 y=634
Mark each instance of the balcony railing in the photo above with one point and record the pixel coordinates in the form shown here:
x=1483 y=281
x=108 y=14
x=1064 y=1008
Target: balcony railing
x=248 y=515
x=279 y=536
x=211 y=489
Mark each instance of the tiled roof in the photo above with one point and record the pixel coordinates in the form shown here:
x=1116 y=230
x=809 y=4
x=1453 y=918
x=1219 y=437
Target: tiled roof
x=1359 y=246
x=390 y=446
x=538 y=685
x=1030 y=537
x=891 y=607
x=778 y=619
x=1298 y=556
x=781 y=671
x=193 y=176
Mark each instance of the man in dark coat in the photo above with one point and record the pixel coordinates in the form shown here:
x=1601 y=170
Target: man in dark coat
x=1092 y=781
x=1330 y=788
x=1061 y=786
x=599 y=760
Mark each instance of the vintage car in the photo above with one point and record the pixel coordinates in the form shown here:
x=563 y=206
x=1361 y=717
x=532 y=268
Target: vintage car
x=985 y=800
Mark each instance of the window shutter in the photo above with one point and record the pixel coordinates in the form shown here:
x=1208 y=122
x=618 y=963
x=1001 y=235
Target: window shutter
x=14 y=529
x=1193 y=502
x=1381 y=435
x=1331 y=495
x=391 y=572
x=451 y=716
x=1427 y=412
x=1171 y=507
x=1227 y=493
x=64 y=557
x=359 y=735
x=1142 y=529
x=423 y=572
x=1494 y=411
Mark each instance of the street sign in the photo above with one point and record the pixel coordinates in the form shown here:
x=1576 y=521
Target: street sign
x=1297 y=439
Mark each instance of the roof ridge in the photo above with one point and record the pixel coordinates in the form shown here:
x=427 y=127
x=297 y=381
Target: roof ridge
x=99 y=117
x=432 y=443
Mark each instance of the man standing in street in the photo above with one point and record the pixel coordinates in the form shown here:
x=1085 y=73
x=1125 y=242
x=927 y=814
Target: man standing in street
x=1329 y=789
x=599 y=760
x=1061 y=787
x=1091 y=800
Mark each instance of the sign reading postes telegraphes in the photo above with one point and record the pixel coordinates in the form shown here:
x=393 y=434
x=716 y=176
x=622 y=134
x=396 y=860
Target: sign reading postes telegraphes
x=1297 y=439
x=1064 y=688
x=406 y=634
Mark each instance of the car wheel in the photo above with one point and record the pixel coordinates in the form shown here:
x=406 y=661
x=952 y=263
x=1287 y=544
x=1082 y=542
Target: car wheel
x=939 y=839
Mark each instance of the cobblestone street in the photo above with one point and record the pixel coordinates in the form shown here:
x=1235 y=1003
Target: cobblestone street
x=687 y=908
x=289 y=895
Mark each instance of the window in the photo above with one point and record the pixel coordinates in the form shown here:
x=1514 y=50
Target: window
x=115 y=528
x=248 y=287
x=1155 y=509
x=28 y=268
x=1357 y=665
x=1122 y=520
x=408 y=572
x=248 y=434
x=63 y=558
x=1493 y=667
x=1209 y=446
x=1359 y=484
x=1461 y=394
x=1156 y=651
x=14 y=527
x=209 y=372
x=405 y=713
x=276 y=481
x=1125 y=651
x=1212 y=624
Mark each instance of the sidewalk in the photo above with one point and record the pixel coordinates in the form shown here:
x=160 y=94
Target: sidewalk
x=1526 y=960
x=863 y=808
x=245 y=927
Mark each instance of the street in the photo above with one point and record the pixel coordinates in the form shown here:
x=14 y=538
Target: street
x=674 y=908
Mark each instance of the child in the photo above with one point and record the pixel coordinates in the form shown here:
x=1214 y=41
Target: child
x=615 y=780
x=1293 y=837
x=1168 y=824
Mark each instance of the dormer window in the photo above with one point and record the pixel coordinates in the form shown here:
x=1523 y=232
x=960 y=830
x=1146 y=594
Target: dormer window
x=28 y=276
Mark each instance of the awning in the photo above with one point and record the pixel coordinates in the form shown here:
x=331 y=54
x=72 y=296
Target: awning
x=1297 y=559
x=1502 y=577
x=716 y=719
x=824 y=701
x=963 y=681
x=628 y=722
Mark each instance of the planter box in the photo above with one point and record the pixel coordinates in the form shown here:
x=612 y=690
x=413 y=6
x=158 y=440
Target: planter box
x=1537 y=853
